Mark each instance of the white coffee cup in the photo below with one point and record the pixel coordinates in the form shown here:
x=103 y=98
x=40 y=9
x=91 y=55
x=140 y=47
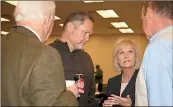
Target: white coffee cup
x=69 y=82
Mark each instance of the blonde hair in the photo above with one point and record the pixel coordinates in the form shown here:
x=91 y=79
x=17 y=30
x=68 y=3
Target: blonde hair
x=33 y=9
x=118 y=46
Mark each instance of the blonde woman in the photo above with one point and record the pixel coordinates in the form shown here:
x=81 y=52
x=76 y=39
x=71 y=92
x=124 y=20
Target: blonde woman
x=121 y=88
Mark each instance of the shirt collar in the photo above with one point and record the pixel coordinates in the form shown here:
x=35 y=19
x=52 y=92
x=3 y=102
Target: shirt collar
x=32 y=31
x=160 y=32
x=65 y=46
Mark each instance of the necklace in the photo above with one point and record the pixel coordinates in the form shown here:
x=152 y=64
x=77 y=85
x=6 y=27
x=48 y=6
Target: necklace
x=123 y=80
x=128 y=78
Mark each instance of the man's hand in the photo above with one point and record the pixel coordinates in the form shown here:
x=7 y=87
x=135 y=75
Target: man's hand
x=109 y=103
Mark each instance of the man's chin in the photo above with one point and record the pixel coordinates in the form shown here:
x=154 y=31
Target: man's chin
x=80 y=47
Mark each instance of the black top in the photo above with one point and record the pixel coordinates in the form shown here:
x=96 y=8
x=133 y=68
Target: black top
x=114 y=87
x=78 y=62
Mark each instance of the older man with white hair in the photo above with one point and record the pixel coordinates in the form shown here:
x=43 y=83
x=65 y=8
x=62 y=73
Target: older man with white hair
x=32 y=73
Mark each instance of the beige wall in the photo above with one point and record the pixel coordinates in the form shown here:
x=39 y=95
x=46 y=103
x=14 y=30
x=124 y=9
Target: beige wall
x=101 y=47
x=52 y=39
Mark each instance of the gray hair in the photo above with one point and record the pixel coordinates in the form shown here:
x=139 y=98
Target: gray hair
x=118 y=46
x=77 y=18
x=162 y=8
x=33 y=9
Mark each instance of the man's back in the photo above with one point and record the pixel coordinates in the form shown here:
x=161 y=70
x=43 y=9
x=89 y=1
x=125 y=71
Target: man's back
x=27 y=78
x=158 y=65
x=156 y=71
x=19 y=53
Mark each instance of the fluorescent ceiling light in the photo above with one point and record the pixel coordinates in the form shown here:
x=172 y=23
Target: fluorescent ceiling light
x=57 y=18
x=93 y=1
x=119 y=24
x=126 y=30
x=12 y=2
x=4 y=33
x=107 y=13
x=4 y=19
x=61 y=25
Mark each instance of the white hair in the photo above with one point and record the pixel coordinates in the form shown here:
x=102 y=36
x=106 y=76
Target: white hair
x=33 y=9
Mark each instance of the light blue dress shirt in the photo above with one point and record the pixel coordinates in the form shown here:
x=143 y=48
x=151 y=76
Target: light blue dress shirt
x=158 y=70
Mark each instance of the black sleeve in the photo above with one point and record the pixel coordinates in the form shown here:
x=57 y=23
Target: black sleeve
x=91 y=93
x=53 y=45
x=91 y=85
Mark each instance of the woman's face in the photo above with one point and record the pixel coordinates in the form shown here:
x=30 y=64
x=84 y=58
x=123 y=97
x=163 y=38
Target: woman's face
x=126 y=57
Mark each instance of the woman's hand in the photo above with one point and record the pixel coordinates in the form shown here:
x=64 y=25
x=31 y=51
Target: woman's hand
x=120 y=100
x=109 y=103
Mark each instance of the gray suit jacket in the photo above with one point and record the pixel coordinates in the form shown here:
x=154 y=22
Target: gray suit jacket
x=32 y=73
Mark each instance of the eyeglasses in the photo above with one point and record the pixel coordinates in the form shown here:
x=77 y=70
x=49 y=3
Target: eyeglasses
x=84 y=31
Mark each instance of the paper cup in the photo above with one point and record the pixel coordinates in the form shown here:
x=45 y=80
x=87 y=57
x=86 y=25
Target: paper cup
x=69 y=82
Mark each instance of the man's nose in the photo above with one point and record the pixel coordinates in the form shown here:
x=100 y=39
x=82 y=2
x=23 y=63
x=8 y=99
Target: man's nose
x=126 y=55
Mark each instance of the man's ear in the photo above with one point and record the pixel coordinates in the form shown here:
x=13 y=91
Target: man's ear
x=48 y=18
x=150 y=13
x=70 y=27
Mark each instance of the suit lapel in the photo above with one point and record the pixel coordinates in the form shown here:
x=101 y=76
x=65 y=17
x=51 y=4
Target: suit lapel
x=130 y=86
x=118 y=86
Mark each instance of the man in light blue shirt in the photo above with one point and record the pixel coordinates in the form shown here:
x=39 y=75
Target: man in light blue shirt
x=156 y=67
